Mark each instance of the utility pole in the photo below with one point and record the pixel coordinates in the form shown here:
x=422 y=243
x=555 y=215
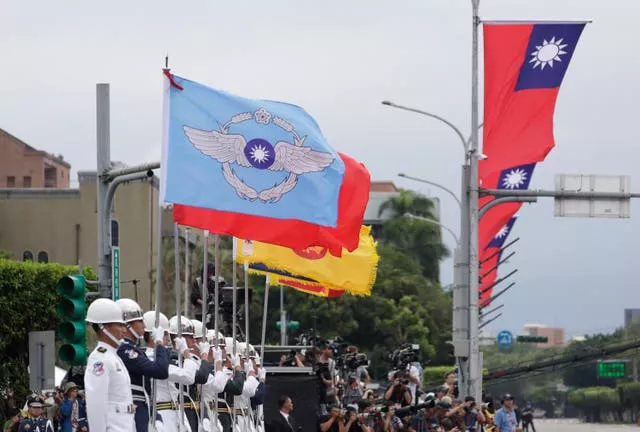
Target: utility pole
x=107 y=182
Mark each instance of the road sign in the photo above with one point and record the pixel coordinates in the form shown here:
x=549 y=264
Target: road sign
x=611 y=369
x=592 y=207
x=505 y=338
x=115 y=271
x=42 y=357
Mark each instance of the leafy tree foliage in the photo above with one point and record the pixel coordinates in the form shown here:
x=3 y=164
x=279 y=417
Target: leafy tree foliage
x=27 y=301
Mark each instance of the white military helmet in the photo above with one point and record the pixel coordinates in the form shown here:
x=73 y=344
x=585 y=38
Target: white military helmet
x=210 y=336
x=221 y=340
x=150 y=321
x=197 y=329
x=252 y=351
x=228 y=342
x=131 y=311
x=187 y=326
x=241 y=348
x=104 y=311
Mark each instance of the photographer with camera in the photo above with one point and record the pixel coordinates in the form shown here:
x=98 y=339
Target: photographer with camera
x=324 y=371
x=399 y=392
x=403 y=360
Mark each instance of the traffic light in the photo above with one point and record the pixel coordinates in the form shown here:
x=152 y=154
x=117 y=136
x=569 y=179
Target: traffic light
x=72 y=310
x=291 y=325
x=532 y=339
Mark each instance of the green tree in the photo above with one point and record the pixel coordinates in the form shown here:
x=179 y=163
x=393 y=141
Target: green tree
x=418 y=238
x=27 y=301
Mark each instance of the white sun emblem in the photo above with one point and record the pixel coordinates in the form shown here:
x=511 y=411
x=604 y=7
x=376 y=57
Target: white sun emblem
x=514 y=179
x=548 y=52
x=259 y=153
x=503 y=232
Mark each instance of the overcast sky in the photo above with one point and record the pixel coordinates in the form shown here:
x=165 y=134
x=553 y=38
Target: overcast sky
x=339 y=59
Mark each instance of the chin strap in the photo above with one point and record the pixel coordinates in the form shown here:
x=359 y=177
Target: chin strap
x=109 y=335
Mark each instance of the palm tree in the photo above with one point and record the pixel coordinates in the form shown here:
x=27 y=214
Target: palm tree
x=420 y=238
x=408 y=201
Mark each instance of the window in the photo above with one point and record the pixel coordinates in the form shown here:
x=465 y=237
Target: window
x=26 y=181
x=27 y=256
x=115 y=233
x=43 y=257
x=11 y=181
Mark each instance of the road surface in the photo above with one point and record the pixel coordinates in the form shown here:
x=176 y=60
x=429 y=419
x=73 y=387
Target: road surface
x=576 y=426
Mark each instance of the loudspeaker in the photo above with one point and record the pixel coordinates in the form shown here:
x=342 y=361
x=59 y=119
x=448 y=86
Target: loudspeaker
x=301 y=387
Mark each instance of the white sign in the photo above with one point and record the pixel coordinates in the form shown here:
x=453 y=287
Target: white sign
x=592 y=207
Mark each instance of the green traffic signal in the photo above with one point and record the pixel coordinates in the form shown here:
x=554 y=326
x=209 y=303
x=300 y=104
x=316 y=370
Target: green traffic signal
x=71 y=310
x=72 y=286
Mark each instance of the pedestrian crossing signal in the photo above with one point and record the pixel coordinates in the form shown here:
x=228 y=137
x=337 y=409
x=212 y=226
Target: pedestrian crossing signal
x=72 y=310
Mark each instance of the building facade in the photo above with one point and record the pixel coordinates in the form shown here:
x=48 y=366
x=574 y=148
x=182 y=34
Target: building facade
x=555 y=335
x=22 y=166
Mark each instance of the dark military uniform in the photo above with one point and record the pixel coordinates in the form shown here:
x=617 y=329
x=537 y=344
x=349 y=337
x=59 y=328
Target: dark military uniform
x=40 y=424
x=192 y=395
x=141 y=370
x=233 y=388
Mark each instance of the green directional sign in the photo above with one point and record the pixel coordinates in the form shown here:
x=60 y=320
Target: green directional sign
x=115 y=271
x=532 y=339
x=611 y=369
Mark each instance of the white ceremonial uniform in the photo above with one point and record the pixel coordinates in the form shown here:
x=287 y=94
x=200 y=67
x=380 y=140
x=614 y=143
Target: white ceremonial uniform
x=215 y=384
x=166 y=391
x=108 y=392
x=244 y=423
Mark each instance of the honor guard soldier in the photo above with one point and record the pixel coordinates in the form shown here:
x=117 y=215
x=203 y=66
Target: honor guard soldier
x=141 y=368
x=233 y=388
x=166 y=390
x=192 y=401
x=35 y=421
x=106 y=380
x=242 y=402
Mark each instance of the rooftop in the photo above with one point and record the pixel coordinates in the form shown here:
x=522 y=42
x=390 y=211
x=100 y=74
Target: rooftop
x=59 y=159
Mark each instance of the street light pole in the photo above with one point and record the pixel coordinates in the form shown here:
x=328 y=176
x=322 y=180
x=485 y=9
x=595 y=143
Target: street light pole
x=474 y=385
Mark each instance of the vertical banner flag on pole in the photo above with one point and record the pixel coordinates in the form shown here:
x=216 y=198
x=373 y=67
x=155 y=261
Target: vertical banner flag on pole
x=524 y=65
x=513 y=178
x=258 y=169
x=490 y=257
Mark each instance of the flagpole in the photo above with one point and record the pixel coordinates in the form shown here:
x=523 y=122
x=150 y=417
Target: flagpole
x=264 y=318
x=176 y=287
x=246 y=307
x=474 y=375
x=234 y=283
x=205 y=304
x=185 y=308
x=216 y=303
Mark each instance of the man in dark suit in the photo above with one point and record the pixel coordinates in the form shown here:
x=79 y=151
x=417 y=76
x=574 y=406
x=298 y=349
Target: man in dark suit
x=284 y=422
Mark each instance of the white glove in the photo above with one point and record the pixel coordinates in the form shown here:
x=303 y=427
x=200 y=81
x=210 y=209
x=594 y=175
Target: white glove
x=204 y=347
x=181 y=344
x=158 y=335
x=248 y=365
x=217 y=355
x=235 y=360
x=262 y=374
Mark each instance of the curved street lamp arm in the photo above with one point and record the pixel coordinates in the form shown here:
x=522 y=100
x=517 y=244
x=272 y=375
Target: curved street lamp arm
x=433 y=221
x=435 y=116
x=447 y=190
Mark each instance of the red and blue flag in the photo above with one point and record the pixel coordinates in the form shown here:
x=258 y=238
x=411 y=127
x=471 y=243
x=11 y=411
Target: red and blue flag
x=524 y=66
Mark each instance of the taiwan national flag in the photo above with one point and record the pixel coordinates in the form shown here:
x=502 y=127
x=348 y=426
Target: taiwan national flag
x=257 y=169
x=490 y=257
x=514 y=178
x=524 y=65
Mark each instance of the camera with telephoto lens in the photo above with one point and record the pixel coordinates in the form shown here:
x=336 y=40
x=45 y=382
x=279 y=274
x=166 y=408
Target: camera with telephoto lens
x=404 y=356
x=353 y=361
x=412 y=409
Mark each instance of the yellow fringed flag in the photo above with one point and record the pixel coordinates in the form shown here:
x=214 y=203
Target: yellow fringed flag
x=297 y=282
x=354 y=272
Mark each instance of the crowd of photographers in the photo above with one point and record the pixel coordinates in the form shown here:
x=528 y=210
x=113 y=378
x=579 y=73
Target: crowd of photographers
x=348 y=403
